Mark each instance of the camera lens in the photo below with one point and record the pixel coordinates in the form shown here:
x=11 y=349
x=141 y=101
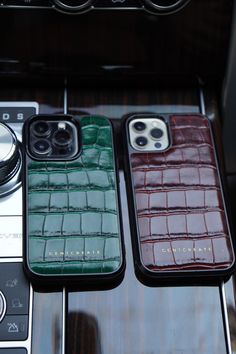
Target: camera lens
x=62 y=138
x=41 y=128
x=42 y=147
x=141 y=141
x=139 y=126
x=158 y=145
x=156 y=133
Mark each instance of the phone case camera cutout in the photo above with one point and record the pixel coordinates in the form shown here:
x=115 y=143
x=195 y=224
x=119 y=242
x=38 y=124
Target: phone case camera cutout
x=53 y=139
x=179 y=223
x=72 y=222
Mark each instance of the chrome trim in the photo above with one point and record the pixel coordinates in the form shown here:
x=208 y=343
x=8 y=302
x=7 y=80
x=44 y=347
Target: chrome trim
x=65 y=98
x=9 y=141
x=4 y=306
x=25 y=7
x=225 y=318
x=117 y=8
x=221 y=287
x=30 y=7
x=14 y=183
x=20 y=104
x=202 y=102
x=64 y=293
x=176 y=5
x=11 y=260
x=64 y=306
x=86 y=5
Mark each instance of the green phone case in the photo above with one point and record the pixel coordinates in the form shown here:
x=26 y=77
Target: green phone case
x=73 y=221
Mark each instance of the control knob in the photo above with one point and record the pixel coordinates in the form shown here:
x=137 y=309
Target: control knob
x=3 y=306
x=165 y=6
x=73 y=5
x=10 y=158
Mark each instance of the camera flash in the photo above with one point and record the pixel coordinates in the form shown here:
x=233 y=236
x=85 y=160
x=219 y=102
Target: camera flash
x=155 y=124
x=61 y=125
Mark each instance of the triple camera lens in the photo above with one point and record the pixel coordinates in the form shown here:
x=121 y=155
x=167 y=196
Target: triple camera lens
x=51 y=138
x=154 y=133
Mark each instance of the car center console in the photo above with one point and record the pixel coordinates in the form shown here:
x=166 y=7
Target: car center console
x=112 y=58
x=16 y=292
x=81 y=6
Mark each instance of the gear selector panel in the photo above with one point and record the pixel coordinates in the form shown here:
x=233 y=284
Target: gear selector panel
x=15 y=290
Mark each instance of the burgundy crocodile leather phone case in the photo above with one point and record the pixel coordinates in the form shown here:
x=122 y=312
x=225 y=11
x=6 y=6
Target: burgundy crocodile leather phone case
x=181 y=221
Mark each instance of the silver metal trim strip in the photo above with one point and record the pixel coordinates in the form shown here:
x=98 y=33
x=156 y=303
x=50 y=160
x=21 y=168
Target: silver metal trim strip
x=225 y=318
x=30 y=7
x=221 y=287
x=64 y=300
x=64 y=293
x=202 y=102
x=65 y=98
x=3 y=312
x=20 y=104
x=10 y=260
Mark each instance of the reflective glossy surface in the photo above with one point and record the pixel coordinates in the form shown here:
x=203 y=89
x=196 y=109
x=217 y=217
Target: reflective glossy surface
x=110 y=54
x=134 y=317
x=117 y=44
x=47 y=337
x=131 y=318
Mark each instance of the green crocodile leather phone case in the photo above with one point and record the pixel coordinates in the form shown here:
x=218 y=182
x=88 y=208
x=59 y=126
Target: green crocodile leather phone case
x=72 y=209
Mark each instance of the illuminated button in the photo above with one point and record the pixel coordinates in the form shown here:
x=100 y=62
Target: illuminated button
x=15 y=288
x=14 y=328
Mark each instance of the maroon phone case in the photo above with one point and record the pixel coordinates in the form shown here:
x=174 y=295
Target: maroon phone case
x=181 y=221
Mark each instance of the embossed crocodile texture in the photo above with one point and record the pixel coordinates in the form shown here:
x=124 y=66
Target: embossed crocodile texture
x=73 y=222
x=180 y=211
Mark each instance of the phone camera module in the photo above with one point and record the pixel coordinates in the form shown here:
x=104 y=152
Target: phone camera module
x=141 y=141
x=42 y=147
x=41 y=129
x=62 y=138
x=156 y=133
x=139 y=126
x=158 y=145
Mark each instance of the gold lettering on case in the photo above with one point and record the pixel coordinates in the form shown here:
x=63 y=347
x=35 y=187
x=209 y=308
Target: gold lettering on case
x=186 y=249
x=73 y=253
